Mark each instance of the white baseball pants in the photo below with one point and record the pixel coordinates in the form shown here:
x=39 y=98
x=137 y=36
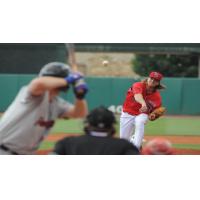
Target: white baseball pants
x=132 y=127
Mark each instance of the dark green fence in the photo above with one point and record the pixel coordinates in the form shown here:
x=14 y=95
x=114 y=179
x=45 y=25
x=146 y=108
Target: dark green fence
x=181 y=97
x=28 y=58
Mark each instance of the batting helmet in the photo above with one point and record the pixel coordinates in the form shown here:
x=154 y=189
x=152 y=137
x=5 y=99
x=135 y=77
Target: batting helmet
x=158 y=146
x=100 y=119
x=56 y=69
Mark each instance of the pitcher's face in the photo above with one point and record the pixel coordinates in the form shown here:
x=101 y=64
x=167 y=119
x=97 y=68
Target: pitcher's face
x=152 y=82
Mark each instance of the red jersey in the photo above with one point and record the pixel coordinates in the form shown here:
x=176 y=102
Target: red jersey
x=152 y=100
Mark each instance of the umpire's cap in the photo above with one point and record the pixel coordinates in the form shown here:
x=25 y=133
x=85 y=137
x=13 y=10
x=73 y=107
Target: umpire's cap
x=56 y=69
x=101 y=118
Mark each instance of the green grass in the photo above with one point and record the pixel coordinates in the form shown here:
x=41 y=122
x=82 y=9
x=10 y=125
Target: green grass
x=174 y=126
x=68 y=126
x=47 y=145
x=162 y=126
x=187 y=146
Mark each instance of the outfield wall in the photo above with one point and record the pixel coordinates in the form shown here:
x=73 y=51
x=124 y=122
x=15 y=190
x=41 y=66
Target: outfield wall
x=181 y=97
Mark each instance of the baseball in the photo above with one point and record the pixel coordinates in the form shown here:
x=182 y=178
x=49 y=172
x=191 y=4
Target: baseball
x=105 y=63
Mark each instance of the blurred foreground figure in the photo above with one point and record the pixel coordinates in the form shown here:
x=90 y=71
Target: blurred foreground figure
x=158 y=146
x=30 y=117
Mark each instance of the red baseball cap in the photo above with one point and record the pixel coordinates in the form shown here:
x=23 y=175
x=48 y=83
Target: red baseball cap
x=156 y=75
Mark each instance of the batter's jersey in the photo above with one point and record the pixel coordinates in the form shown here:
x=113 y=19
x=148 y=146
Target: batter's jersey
x=94 y=145
x=132 y=107
x=29 y=119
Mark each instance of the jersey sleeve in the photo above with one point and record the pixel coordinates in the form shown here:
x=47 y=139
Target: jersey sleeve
x=26 y=97
x=63 y=106
x=137 y=88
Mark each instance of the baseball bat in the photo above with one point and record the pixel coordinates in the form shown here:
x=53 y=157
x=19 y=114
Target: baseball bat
x=71 y=56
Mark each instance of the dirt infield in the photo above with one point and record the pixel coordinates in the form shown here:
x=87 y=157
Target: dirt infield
x=173 y=139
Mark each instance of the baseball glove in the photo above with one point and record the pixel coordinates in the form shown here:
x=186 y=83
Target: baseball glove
x=158 y=112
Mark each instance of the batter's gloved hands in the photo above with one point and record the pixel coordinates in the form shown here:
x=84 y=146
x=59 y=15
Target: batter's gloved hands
x=80 y=89
x=73 y=77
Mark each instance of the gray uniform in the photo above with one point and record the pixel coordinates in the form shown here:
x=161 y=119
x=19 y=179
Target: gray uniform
x=28 y=120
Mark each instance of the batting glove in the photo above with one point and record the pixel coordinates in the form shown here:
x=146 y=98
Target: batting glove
x=73 y=77
x=80 y=89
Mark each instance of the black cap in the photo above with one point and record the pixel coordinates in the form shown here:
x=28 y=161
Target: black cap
x=101 y=118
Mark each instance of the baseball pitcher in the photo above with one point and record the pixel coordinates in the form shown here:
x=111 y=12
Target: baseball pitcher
x=143 y=101
x=33 y=112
